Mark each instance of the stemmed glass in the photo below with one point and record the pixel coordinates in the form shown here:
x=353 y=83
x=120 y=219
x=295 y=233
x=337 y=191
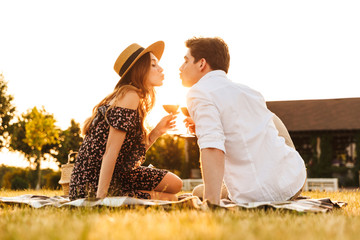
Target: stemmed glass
x=171 y=109
x=185 y=111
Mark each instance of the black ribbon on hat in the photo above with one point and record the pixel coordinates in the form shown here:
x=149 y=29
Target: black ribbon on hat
x=130 y=60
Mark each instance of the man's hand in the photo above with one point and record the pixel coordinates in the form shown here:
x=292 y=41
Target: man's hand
x=190 y=124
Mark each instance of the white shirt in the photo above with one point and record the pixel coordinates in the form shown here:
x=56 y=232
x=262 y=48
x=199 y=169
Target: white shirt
x=259 y=166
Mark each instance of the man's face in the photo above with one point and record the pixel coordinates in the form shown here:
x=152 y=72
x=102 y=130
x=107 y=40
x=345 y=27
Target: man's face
x=190 y=72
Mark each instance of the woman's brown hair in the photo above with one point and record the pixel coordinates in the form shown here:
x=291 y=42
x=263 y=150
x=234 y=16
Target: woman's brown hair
x=214 y=50
x=134 y=80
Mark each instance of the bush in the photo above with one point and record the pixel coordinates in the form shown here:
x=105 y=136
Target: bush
x=52 y=180
x=167 y=153
x=3 y=170
x=16 y=179
x=24 y=178
x=18 y=183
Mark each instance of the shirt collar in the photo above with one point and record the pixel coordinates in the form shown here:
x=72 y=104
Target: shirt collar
x=214 y=73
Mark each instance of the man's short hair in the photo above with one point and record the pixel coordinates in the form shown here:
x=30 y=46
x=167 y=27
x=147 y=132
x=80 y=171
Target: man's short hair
x=214 y=50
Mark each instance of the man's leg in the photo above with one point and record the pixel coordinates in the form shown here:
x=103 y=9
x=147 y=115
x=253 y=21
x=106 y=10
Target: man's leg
x=283 y=132
x=199 y=191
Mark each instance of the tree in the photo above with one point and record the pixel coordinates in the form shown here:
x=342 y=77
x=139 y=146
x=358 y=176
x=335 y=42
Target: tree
x=35 y=134
x=70 y=140
x=18 y=135
x=39 y=132
x=168 y=153
x=7 y=111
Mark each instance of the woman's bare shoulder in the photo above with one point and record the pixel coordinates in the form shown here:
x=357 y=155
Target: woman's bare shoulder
x=130 y=99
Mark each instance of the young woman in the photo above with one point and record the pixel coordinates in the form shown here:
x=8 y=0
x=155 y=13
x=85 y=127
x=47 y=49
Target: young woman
x=116 y=139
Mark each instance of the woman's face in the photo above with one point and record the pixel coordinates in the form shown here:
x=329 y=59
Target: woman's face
x=155 y=76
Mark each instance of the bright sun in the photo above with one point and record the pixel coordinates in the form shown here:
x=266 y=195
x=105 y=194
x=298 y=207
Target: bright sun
x=171 y=93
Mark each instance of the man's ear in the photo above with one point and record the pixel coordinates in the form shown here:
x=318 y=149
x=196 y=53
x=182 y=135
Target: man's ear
x=202 y=64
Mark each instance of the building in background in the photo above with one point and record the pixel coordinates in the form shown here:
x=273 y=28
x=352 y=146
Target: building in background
x=327 y=135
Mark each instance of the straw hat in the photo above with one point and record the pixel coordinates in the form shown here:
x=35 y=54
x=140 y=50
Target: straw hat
x=133 y=52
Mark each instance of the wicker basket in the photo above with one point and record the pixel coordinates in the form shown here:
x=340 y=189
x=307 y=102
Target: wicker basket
x=66 y=170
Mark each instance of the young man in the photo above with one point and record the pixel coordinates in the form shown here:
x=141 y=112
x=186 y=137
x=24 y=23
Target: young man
x=239 y=141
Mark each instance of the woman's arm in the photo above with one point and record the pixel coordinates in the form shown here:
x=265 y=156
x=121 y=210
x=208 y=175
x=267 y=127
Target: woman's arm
x=152 y=137
x=166 y=123
x=113 y=145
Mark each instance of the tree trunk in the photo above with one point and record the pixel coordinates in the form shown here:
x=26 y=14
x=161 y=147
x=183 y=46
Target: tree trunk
x=38 y=170
x=187 y=158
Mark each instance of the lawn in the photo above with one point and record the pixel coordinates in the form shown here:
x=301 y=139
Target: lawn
x=150 y=223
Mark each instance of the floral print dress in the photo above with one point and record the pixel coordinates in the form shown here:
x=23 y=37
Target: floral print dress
x=129 y=177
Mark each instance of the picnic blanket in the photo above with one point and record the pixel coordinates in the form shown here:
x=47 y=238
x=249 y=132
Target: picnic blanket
x=187 y=201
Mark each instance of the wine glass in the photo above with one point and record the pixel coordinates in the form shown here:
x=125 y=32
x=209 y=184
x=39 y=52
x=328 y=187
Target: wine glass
x=185 y=111
x=171 y=109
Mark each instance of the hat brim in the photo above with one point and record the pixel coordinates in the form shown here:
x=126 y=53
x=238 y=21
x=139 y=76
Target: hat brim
x=156 y=48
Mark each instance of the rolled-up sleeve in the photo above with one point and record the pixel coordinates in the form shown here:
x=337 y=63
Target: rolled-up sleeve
x=206 y=116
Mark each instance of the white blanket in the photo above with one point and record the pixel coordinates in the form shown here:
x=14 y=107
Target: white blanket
x=300 y=205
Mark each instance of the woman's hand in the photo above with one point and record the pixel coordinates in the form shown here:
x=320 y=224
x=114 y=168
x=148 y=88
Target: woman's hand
x=190 y=124
x=166 y=123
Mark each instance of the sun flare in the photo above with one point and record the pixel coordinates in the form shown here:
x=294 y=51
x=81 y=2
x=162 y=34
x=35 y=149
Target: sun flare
x=171 y=93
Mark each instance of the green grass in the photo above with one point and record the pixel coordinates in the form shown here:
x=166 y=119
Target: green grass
x=148 y=223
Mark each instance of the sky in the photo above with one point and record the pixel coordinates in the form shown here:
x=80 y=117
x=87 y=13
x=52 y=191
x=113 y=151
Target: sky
x=60 y=54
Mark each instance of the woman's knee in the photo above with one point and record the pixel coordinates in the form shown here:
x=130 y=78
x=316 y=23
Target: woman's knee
x=170 y=184
x=176 y=183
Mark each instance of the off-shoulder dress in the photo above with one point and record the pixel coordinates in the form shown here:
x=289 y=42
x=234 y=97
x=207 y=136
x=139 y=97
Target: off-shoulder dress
x=129 y=177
